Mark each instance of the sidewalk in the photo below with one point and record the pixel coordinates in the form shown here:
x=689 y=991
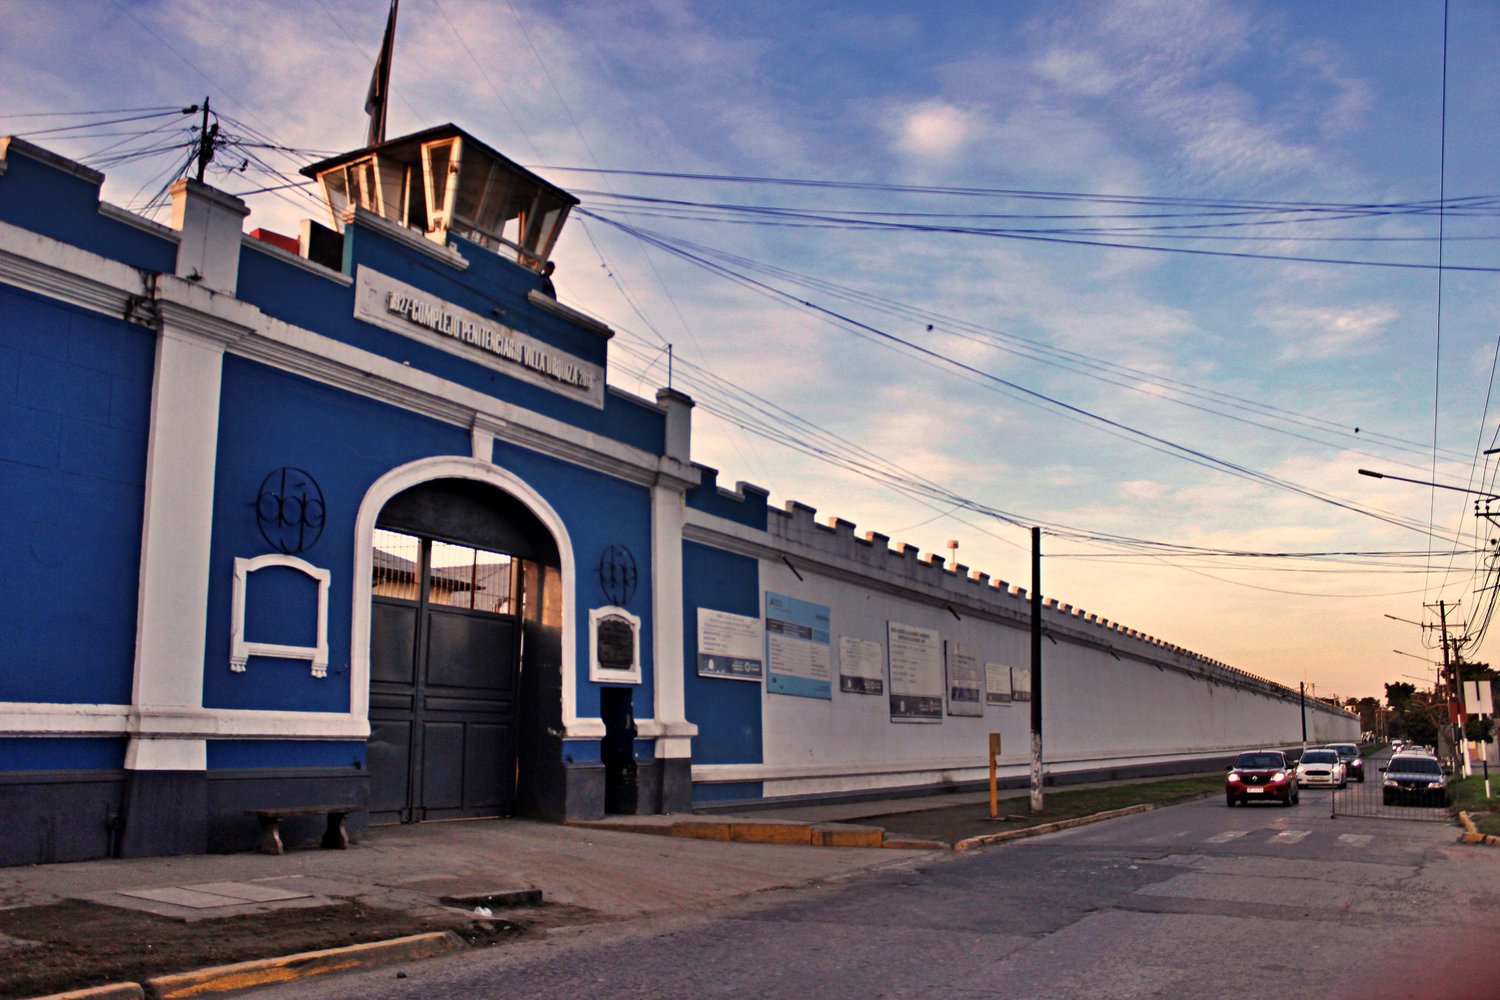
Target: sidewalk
x=434 y=886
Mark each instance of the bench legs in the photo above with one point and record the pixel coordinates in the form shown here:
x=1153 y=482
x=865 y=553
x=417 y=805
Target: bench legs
x=270 y=835
x=334 y=837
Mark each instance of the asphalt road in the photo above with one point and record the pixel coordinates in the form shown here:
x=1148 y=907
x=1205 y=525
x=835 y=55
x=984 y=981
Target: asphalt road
x=1197 y=900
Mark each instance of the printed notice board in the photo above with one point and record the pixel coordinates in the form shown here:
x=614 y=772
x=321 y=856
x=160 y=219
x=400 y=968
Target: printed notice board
x=798 y=635
x=1020 y=683
x=861 y=666
x=996 y=684
x=916 y=656
x=964 y=680
x=729 y=646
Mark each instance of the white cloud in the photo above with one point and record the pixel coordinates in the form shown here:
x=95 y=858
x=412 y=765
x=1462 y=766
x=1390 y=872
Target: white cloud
x=1323 y=333
x=934 y=129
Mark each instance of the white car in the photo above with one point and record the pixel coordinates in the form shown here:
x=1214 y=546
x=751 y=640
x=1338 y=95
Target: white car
x=1321 y=768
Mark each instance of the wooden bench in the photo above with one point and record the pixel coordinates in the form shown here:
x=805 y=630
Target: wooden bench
x=334 y=837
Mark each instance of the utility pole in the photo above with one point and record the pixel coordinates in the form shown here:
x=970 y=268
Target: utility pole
x=1036 y=670
x=206 y=137
x=1452 y=664
x=1302 y=689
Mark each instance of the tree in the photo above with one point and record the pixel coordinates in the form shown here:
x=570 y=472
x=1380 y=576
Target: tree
x=1398 y=694
x=1420 y=715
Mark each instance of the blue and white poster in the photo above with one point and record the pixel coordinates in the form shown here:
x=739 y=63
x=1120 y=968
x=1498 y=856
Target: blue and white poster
x=729 y=646
x=798 y=635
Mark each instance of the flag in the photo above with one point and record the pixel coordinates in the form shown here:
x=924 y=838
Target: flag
x=380 y=82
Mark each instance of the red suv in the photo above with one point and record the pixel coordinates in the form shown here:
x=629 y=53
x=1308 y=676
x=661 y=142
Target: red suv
x=1258 y=775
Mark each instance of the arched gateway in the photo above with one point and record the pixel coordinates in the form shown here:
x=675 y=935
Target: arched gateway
x=462 y=595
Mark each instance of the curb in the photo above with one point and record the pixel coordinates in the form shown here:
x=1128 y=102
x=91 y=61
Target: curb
x=267 y=971
x=114 y=991
x=984 y=839
x=288 y=968
x=1471 y=834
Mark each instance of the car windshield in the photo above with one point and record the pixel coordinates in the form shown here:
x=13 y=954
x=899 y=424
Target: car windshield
x=1320 y=757
x=1348 y=751
x=1258 y=761
x=1416 y=765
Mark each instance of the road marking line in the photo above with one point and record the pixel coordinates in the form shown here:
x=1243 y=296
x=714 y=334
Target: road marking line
x=1226 y=837
x=1356 y=839
x=1289 y=836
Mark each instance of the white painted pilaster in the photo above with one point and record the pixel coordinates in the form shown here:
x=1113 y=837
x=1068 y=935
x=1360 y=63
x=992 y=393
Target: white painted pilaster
x=668 y=515
x=176 y=531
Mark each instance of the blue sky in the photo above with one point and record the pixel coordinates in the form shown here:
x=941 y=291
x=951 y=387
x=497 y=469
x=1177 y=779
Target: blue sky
x=1193 y=362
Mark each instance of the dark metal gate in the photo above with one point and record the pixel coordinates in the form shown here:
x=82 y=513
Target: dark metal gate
x=444 y=655
x=1370 y=799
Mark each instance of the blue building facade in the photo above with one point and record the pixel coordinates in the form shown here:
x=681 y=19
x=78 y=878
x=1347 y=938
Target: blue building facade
x=362 y=526
x=353 y=521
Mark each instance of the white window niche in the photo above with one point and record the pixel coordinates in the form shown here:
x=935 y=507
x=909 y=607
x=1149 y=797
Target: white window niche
x=241 y=648
x=614 y=646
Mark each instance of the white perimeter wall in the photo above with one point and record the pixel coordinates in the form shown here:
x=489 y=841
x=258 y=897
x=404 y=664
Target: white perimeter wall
x=1111 y=698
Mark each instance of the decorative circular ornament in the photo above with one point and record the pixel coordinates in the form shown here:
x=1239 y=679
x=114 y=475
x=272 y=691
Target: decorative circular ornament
x=618 y=575
x=290 y=510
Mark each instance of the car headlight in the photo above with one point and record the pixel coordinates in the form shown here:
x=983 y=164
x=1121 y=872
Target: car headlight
x=1434 y=784
x=1390 y=784
x=1233 y=778
x=1279 y=776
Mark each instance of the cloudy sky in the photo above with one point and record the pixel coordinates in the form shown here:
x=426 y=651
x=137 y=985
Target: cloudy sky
x=1115 y=268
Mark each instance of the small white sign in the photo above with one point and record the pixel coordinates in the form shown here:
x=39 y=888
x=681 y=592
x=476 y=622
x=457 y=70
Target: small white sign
x=1477 y=699
x=964 y=679
x=861 y=666
x=996 y=684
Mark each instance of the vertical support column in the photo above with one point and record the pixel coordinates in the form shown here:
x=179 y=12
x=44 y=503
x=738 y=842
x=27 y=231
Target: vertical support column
x=166 y=795
x=668 y=514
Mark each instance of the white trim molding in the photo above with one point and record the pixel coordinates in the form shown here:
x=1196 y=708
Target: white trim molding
x=610 y=675
x=50 y=719
x=242 y=648
x=456 y=467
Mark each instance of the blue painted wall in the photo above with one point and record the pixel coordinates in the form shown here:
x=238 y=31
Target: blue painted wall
x=87 y=753
x=749 y=509
x=490 y=285
x=63 y=205
x=225 y=754
x=599 y=511
x=727 y=712
x=269 y=419
x=75 y=400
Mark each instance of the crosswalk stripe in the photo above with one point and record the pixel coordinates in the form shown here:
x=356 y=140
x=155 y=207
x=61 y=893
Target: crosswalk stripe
x=1226 y=837
x=1289 y=836
x=1356 y=839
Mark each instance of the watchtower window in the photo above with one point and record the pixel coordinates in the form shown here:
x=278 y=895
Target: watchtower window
x=445 y=181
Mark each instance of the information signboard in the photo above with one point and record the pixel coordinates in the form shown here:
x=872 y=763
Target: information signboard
x=729 y=646
x=916 y=658
x=798 y=637
x=996 y=684
x=964 y=680
x=861 y=666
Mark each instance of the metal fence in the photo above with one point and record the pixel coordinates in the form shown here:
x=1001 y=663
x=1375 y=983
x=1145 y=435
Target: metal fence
x=1370 y=798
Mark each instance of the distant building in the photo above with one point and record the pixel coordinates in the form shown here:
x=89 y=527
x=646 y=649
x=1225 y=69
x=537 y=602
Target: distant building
x=353 y=518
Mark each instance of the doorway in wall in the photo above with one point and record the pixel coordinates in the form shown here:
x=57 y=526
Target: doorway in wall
x=458 y=570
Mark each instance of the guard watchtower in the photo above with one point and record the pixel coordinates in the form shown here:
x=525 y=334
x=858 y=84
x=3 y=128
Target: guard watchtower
x=443 y=180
